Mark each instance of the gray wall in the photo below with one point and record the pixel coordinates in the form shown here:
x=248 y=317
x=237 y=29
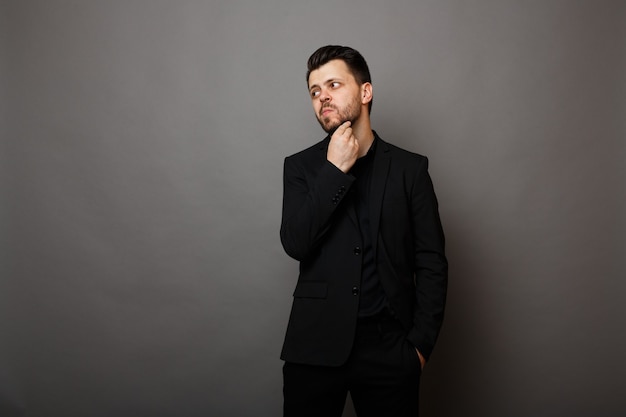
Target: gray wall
x=142 y=148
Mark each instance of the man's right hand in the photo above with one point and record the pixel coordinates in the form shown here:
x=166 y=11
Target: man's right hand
x=343 y=148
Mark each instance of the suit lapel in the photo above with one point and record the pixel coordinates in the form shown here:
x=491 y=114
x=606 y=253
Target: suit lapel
x=380 y=172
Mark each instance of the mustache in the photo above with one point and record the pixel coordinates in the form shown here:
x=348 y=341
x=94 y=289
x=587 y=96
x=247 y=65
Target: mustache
x=326 y=106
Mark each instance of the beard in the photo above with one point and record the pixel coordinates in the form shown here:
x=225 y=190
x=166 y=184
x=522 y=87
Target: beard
x=351 y=112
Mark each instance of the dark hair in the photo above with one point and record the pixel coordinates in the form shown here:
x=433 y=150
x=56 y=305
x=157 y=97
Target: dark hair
x=353 y=59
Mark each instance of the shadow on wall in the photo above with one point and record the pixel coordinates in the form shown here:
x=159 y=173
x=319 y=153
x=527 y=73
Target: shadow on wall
x=452 y=369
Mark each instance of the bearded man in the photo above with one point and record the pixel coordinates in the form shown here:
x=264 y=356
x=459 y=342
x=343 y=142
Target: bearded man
x=361 y=217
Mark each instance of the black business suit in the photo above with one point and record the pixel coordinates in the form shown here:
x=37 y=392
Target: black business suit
x=320 y=229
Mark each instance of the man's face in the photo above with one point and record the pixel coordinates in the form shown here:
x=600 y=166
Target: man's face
x=335 y=95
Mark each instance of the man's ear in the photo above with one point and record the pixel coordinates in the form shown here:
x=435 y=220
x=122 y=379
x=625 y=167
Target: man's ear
x=367 y=93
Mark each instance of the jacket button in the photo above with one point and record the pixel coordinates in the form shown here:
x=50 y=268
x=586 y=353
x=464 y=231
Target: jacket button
x=357 y=250
x=355 y=291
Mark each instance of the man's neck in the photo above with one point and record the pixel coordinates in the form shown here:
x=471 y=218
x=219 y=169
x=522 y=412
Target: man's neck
x=362 y=130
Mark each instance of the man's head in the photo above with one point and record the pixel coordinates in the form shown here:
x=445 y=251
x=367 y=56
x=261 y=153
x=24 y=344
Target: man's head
x=339 y=85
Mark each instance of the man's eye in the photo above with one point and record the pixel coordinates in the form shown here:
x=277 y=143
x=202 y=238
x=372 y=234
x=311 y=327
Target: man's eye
x=335 y=84
x=315 y=93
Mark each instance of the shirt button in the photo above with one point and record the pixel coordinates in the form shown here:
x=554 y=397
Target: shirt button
x=355 y=291
x=357 y=250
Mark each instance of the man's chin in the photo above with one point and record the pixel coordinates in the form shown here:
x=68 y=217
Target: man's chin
x=331 y=126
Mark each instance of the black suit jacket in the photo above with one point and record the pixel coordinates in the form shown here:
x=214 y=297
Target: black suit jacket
x=320 y=229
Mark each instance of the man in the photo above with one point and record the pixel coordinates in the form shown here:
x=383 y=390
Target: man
x=362 y=218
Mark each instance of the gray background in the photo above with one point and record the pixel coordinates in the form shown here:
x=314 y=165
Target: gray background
x=141 y=174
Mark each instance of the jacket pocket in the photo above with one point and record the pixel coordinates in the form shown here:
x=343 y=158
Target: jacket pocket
x=311 y=289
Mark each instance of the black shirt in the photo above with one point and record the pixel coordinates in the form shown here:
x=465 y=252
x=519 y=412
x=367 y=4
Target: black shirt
x=372 y=299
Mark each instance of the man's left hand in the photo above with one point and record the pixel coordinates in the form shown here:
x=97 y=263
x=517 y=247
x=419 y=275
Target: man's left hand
x=422 y=360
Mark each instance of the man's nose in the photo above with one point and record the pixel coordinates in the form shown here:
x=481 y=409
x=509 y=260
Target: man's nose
x=324 y=96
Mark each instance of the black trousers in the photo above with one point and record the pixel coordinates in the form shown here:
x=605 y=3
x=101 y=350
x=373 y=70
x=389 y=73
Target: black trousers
x=382 y=376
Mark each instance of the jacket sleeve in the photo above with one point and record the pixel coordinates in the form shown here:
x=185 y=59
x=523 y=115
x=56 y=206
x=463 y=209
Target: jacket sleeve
x=311 y=195
x=431 y=265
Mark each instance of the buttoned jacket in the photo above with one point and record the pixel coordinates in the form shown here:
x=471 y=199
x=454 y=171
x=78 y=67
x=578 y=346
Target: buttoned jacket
x=320 y=229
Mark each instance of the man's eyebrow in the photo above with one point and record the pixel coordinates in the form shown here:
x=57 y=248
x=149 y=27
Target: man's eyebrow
x=328 y=81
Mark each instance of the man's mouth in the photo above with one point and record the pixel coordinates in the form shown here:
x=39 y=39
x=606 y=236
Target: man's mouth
x=326 y=110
